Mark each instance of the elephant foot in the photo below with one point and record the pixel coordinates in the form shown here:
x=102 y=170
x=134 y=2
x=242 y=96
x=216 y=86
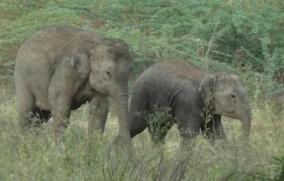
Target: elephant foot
x=59 y=130
x=124 y=144
x=187 y=148
x=122 y=141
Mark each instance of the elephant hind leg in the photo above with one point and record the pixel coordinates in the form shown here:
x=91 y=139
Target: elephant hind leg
x=25 y=106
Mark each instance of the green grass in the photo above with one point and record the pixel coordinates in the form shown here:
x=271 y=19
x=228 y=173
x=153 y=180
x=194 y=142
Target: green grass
x=35 y=156
x=157 y=29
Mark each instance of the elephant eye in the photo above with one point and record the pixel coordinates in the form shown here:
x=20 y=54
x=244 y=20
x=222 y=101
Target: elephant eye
x=108 y=75
x=233 y=96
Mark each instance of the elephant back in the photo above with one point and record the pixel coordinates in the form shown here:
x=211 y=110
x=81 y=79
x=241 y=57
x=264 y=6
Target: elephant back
x=181 y=69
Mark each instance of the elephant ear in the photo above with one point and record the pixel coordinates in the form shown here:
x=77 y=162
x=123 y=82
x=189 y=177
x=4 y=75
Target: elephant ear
x=80 y=61
x=207 y=87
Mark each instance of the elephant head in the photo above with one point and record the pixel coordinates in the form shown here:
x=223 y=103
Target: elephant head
x=108 y=63
x=224 y=94
x=111 y=65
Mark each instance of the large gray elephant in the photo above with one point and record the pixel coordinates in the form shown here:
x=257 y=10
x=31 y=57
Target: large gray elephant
x=193 y=100
x=60 y=68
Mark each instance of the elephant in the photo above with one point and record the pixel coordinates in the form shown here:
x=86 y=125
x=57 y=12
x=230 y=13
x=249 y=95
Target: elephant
x=192 y=99
x=59 y=68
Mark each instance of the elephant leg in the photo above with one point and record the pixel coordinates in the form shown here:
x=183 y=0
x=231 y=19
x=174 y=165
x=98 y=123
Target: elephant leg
x=189 y=122
x=188 y=133
x=25 y=106
x=98 y=111
x=139 y=111
x=213 y=129
x=60 y=110
x=137 y=124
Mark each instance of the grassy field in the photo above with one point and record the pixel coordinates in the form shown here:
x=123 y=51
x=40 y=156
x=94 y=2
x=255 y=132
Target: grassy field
x=207 y=33
x=35 y=156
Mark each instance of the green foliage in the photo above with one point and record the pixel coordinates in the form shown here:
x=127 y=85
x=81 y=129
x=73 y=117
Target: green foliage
x=279 y=169
x=160 y=29
x=160 y=122
x=23 y=18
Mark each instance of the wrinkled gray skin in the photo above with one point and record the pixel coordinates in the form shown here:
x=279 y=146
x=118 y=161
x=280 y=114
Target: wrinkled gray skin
x=60 y=68
x=195 y=100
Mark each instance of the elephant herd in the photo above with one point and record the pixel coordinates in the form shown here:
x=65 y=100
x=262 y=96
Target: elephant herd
x=60 y=68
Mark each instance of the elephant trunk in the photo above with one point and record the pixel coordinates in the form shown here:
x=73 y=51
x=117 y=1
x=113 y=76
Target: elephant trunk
x=121 y=107
x=245 y=117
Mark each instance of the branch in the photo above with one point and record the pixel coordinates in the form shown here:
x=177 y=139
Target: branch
x=210 y=43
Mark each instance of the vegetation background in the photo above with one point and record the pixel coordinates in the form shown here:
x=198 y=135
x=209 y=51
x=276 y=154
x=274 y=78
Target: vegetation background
x=241 y=36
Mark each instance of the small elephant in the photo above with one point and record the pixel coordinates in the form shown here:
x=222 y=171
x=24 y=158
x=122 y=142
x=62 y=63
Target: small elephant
x=193 y=100
x=60 y=68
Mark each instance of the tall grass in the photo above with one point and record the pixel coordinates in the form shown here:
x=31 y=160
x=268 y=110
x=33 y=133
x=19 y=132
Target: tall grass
x=35 y=156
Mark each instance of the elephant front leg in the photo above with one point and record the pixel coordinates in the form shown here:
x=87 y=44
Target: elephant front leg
x=25 y=107
x=60 y=110
x=189 y=127
x=187 y=138
x=98 y=111
x=213 y=129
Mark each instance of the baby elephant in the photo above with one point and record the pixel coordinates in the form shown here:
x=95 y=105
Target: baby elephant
x=60 y=68
x=193 y=100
